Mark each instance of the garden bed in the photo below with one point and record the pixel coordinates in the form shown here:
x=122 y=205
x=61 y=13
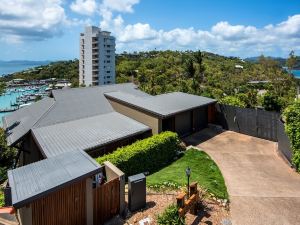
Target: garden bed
x=212 y=213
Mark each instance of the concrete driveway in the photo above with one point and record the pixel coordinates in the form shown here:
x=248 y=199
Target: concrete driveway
x=262 y=188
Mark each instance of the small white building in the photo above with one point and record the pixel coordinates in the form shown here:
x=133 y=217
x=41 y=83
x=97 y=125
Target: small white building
x=239 y=66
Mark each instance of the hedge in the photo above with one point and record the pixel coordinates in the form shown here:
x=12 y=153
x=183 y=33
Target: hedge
x=292 y=128
x=147 y=155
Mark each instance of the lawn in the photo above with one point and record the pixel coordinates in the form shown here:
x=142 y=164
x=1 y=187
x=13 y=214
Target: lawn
x=204 y=171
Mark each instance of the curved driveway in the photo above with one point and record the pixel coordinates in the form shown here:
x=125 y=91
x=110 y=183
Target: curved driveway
x=263 y=189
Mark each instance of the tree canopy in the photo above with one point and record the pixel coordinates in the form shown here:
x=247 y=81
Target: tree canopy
x=199 y=72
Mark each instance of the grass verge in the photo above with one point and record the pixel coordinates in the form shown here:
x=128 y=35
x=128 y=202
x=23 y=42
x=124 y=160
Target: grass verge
x=204 y=171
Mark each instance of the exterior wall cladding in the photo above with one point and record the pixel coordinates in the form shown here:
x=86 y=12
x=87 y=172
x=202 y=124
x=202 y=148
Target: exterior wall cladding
x=97 y=57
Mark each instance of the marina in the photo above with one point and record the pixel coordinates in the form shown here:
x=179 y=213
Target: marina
x=18 y=97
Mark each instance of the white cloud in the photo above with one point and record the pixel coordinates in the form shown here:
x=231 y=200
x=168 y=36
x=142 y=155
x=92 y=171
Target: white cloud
x=35 y=20
x=120 y=5
x=222 y=38
x=84 y=7
x=38 y=20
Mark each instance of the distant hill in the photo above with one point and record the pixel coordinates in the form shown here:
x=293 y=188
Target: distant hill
x=281 y=61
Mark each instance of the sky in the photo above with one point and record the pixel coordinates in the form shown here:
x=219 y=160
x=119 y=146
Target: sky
x=49 y=29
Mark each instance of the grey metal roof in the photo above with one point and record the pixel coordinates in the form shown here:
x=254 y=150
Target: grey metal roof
x=77 y=103
x=19 y=123
x=87 y=133
x=162 y=105
x=36 y=180
x=66 y=105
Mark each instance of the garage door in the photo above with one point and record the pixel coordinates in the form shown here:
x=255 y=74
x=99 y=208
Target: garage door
x=200 y=118
x=183 y=123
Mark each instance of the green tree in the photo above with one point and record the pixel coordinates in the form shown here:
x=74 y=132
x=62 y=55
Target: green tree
x=291 y=61
x=7 y=156
x=191 y=73
x=201 y=69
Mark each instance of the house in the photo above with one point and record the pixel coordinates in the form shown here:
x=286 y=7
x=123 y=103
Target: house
x=100 y=119
x=57 y=137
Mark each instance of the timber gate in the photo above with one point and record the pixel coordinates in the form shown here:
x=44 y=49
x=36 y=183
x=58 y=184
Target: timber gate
x=106 y=201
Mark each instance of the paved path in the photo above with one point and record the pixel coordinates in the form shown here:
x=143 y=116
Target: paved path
x=263 y=189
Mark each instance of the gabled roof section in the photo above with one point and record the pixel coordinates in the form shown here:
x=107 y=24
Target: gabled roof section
x=66 y=105
x=85 y=134
x=78 y=103
x=36 y=180
x=19 y=123
x=75 y=104
x=162 y=105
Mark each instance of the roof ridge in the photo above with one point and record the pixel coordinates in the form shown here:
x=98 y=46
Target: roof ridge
x=45 y=113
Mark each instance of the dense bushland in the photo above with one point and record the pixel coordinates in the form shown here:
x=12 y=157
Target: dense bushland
x=200 y=73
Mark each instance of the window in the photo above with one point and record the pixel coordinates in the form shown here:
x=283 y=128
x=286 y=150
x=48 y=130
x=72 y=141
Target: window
x=108 y=71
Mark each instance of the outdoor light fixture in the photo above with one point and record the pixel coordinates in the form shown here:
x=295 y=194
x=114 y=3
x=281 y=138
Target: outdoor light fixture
x=188 y=174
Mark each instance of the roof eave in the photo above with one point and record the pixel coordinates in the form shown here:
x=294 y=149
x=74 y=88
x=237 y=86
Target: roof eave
x=24 y=202
x=156 y=114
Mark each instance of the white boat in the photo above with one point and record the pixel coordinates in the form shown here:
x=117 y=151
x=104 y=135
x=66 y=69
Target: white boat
x=24 y=105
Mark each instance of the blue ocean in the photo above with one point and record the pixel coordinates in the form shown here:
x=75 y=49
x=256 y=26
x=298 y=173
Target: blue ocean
x=296 y=73
x=8 y=67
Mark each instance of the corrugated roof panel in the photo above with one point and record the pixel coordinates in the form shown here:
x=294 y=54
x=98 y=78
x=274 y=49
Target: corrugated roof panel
x=87 y=133
x=18 y=123
x=38 y=179
x=77 y=103
x=162 y=105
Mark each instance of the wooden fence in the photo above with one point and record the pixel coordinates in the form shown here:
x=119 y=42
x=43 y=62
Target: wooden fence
x=66 y=206
x=253 y=122
x=106 y=201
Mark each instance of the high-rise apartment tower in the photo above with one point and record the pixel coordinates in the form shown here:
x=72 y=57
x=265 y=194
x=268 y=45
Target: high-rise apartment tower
x=97 y=57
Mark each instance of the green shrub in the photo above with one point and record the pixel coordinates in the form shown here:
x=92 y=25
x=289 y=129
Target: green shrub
x=147 y=155
x=272 y=102
x=233 y=100
x=1 y=198
x=292 y=128
x=170 y=217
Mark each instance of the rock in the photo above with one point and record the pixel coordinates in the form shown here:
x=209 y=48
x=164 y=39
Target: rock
x=226 y=222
